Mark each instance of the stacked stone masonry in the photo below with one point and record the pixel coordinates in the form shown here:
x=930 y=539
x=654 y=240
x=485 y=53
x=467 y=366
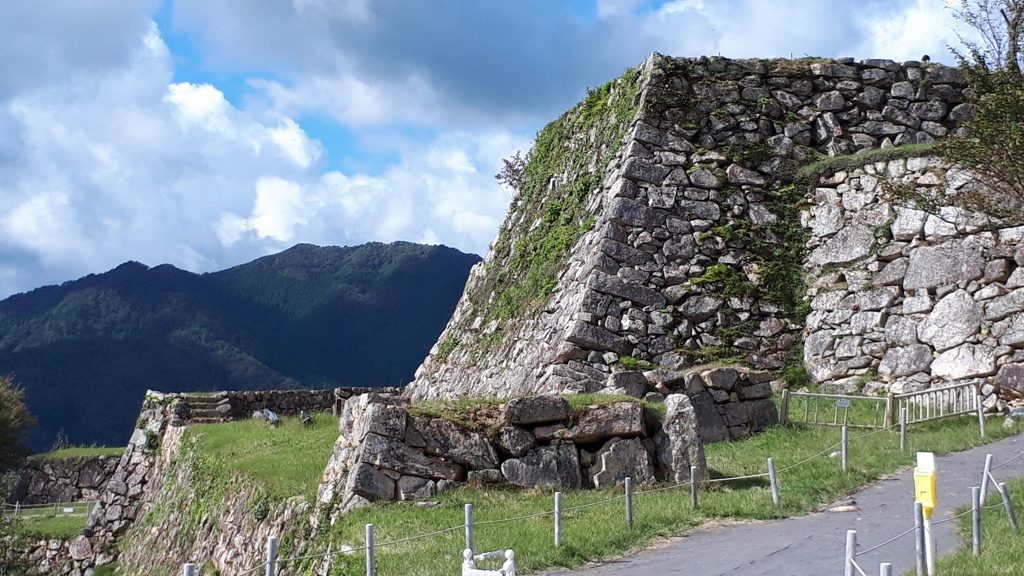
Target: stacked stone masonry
x=49 y=480
x=903 y=300
x=633 y=285
x=386 y=453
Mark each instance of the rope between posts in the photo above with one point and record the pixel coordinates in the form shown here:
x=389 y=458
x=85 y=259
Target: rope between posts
x=889 y=541
x=749 y=476
x=581 y=506
x=1019 y=454
x=806 y=460
x=503 y=520
x=622 y=496
x=256 y=569
x=663 y=488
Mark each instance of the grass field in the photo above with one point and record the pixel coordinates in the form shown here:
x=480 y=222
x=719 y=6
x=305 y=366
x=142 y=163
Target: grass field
x=287 y=461
x=594 y=524
x=82 y=452
x=1000 y=545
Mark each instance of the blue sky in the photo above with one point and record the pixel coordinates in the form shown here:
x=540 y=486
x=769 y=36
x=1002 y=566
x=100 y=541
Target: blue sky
x=206 y=133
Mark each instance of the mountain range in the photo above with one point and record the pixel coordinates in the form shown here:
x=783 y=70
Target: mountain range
x=309 y=317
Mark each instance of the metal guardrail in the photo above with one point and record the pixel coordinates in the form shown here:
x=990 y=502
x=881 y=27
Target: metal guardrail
x=819 y=409
x=54 y=508
x=937 y=403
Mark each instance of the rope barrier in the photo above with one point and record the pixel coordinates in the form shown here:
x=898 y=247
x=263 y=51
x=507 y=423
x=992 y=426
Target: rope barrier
x=637 y=493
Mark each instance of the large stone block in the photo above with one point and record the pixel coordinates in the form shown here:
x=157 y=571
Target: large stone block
x=590 y=337
x=552 y=465
x=598 y=423
x=848 y=245
x=619 y=459
x=905 y=360
x=951 y=322
x=370 y=483
x=947 y=263
x=679 y=443
x=631 y=213
x=536 y=410
x=966 y=361
x=515 y=442
x=709 y=420
x=618 y=287
x=383 y=452
x=444 y=438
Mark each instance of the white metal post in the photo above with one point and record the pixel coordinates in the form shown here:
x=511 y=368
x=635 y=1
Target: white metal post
x=919 y=542
x=371 y=556
x=693 y=486
x=271 y=556
x=851 y=552
x=188 y=569
x=558 y=519
x=845 y=448
x=976 y=520
x=1008 y=505
x=469 y=527
x=629 y=501
x=985 y=476
x=774 y=481
x=981 y=415
x=903 y=428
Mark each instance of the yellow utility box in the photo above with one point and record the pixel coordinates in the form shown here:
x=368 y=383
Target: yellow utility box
x=924 y=487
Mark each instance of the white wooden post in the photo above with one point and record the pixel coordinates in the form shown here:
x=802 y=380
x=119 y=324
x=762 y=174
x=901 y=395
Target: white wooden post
x=774 y=481
x=903 y=428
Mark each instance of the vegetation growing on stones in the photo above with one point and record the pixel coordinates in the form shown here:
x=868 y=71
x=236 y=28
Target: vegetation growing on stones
x=555 y=212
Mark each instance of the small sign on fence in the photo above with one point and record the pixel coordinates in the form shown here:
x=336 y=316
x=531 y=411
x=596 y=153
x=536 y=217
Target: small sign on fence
x=842 y=403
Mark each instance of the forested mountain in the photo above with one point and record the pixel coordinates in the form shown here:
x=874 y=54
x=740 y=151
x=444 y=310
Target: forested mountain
x=309 y=317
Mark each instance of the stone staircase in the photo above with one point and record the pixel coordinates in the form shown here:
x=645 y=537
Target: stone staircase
x=209 y=409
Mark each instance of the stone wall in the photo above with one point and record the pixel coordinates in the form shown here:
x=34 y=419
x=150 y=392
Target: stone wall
x=710 y=149
x=387 y=452
x=48 y=480
x=198 y=408
x=903 y=300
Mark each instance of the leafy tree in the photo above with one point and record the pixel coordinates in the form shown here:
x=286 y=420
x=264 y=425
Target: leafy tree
x=998 y=24
x=14 y=420
x=991 y=142
x=993 y=148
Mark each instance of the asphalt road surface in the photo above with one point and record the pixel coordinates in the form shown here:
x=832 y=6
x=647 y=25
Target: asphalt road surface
x=815 y=544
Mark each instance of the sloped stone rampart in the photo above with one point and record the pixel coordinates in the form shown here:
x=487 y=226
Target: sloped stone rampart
x=938 y=298
x=695 y=171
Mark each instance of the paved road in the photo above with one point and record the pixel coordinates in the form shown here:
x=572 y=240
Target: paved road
x=815 y=545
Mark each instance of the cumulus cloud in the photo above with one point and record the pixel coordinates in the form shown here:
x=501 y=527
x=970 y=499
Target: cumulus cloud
x=114 y=147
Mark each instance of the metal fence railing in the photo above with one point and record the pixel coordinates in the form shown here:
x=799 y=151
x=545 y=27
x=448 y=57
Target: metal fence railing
x=937 y=403
x=820 y=409
x=19 y=510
